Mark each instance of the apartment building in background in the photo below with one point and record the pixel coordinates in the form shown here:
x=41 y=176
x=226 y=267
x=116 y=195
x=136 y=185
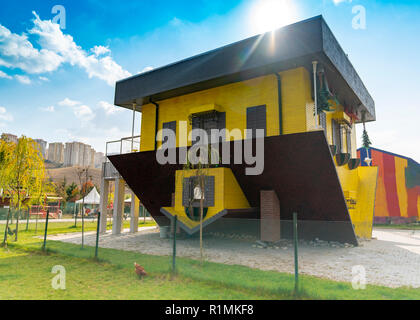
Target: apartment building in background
x=70 y=154
x=78 y=154
x=56 y=152
x=42 y=145
x=99 y=159
x=9 y=137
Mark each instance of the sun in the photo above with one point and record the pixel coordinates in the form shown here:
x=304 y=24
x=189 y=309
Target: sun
x=268 y=15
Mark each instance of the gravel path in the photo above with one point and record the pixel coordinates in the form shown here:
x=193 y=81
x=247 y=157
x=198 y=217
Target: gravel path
x=391 y=259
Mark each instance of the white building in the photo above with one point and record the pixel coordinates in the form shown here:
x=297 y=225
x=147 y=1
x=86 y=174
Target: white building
x=78 y=154
x=56 y=152
x=99 y=159
x=42 y=145
x=9 y=137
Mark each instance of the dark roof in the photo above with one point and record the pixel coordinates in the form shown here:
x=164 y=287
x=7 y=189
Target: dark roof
x=295 y=45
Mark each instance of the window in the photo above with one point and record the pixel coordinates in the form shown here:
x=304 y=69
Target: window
x=171 y=126
x=336 y=128
x=323 y=121
x=189 y=189
x=208 y=122
x=256 y=119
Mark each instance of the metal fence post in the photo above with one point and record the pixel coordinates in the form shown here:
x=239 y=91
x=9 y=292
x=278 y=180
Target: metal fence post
x=97 y=235
x=295 y=242
x=6 y=228
x=174 y=244
x=46 y=230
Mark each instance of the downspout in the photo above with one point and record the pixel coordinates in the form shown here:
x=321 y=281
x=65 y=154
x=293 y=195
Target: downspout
x=314 y=66
x=280 y=103
x=132 y=127
x=156 y=121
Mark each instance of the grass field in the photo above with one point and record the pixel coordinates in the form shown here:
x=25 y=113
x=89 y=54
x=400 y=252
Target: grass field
x=25 y=272
x=66 y=227
x=69 y=173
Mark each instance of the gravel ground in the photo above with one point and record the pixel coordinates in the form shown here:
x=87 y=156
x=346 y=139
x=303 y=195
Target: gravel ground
x=391 y=258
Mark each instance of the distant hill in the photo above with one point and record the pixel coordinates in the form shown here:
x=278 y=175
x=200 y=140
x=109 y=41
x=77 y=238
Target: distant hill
x=58 y=174
x=51 y=165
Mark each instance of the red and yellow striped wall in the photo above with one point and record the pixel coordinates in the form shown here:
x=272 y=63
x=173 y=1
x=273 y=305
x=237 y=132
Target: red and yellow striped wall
x=398 y=186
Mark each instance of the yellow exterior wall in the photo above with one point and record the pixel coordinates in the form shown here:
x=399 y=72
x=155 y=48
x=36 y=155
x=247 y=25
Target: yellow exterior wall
x=400 y=165
x=362 y=218
x=147 y=140
x=418 y=206
x=360 y=185
x=234 y=99
x=296 y=94
x=228 y=194
x=329 y=128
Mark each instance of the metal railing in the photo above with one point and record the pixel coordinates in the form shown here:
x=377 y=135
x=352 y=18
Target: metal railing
x=117 y=147
x=123 y=146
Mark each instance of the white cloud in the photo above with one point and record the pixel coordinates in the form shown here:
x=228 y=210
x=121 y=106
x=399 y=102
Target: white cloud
x=109 y=108
x=100 y=50
x=337 y=2
x=148 y=68
x=48 y=109
x=176 y=22
x=4 y=115
x=83 y=112
x=23 y=79
x=4 y=75
x=52 y=38
x=68 y=103
x=16 y=51
x=43 y=78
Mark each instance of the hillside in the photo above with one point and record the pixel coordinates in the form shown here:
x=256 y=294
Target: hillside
x=58 y=174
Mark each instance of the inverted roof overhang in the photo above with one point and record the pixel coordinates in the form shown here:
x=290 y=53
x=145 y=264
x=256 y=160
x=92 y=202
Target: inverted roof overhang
x=289 y=47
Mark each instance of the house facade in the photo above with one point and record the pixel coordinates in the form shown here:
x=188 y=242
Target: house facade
x=397 y=197
x=298 y=88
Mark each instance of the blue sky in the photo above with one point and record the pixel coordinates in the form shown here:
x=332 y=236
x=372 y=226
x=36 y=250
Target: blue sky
x=57 y=84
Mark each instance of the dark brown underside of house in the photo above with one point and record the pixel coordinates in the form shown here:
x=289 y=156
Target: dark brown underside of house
x=299 y=167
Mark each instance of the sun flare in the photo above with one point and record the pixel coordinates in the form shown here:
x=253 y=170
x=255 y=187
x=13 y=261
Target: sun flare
x=268 y=15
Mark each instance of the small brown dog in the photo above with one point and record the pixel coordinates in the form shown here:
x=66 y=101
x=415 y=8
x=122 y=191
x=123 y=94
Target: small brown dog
x=139 y=270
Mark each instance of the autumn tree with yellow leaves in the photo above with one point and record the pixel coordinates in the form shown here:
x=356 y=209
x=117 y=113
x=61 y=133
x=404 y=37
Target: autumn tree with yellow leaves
x=23 y=176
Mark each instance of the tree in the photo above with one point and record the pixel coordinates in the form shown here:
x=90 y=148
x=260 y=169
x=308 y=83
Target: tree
x=6 y=149
x=87 y=187
x=205 y=157
x=60 y=190
x=72 y=192
x=365 y=140
x=27 y=173
x=84 y=177
x=365 y=137
x=23 y=173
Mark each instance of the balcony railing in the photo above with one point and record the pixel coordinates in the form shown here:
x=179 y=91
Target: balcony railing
x=123 y=146
x=116 y=147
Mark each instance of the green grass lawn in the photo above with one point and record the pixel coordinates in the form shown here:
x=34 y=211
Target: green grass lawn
x=66 y=227
x=25 y=272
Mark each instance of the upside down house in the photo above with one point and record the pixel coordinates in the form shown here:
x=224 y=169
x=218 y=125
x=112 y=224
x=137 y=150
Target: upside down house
x=295 y=83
